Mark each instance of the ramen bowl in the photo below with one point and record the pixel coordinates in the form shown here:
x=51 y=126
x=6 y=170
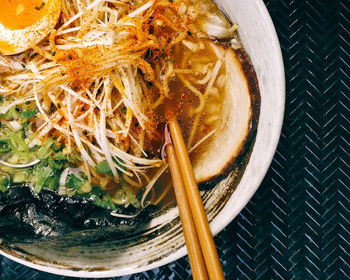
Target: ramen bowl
x=103 y=253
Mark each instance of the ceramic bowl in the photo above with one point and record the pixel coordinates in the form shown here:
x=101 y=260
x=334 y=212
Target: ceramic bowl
x=100 y=254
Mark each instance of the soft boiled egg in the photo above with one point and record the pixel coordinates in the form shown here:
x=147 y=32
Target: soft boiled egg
x=26 y=22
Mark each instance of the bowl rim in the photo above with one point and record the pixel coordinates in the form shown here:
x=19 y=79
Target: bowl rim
x=217 y=225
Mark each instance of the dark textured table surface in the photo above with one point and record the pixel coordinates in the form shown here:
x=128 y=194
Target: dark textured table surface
x=297 y=226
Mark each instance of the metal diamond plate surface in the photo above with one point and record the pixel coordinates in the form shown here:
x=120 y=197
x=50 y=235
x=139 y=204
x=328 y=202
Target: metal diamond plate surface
x=297 y=226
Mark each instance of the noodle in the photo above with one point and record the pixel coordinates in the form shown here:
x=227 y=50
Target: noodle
x=94 y=90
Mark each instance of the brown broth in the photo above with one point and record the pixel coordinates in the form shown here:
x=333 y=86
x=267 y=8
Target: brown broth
x=181 y=102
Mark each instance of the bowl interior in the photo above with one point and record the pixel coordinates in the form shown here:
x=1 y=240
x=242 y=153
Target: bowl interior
x=103 y=253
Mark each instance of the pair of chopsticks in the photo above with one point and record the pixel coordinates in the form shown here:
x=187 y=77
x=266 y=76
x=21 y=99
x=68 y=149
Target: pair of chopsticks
x=200 y=244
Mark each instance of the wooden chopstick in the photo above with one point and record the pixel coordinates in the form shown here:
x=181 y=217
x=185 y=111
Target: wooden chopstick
x=196 y=205
x=195 y=255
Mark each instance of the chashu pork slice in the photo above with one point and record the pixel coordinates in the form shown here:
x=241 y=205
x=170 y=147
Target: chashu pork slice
x=235 y=127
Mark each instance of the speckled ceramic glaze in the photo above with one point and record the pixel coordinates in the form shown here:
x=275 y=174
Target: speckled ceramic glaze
x=101 y=253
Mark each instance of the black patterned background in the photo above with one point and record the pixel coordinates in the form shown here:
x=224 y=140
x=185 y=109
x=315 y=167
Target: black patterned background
x=297 y=226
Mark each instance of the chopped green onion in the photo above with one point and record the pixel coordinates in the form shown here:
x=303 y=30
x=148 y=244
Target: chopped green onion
x=45 y=150
x=53 y=182
x=21 y=176
x=103 y=168
x=11 y=114
x=85 y=187
x=17 y=142
x=81 y=185
x=105 y=202
x=55 y=164
x=131 y=197
x=45 y=173
x=28 y=114
x=4 y=182
x=74 y=182
x=96 y=190
x=4 y=146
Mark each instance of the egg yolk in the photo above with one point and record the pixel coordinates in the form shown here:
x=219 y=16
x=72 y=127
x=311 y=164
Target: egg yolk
x=6 y=46
x=18 y=14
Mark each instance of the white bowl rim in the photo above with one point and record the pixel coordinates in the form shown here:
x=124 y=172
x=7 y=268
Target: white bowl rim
x=217 y=224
